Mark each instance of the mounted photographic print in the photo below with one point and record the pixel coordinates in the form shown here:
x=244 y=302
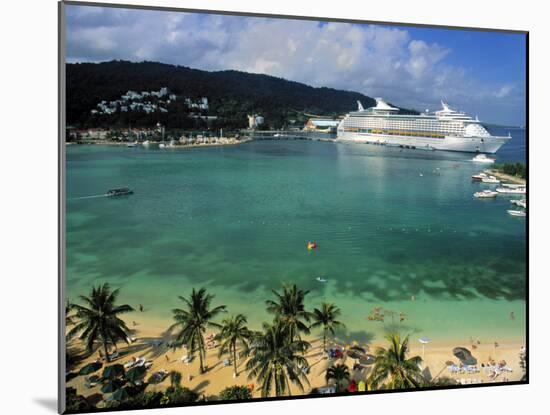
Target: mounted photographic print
x=258 y=207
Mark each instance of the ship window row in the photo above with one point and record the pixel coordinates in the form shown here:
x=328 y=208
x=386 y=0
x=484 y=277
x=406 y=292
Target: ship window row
x=395 y=132
x=406 y=126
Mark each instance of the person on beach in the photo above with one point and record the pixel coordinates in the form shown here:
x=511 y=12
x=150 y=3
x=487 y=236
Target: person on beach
x=141 y=308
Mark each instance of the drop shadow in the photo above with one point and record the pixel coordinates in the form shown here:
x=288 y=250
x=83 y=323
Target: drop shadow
x=48 y=403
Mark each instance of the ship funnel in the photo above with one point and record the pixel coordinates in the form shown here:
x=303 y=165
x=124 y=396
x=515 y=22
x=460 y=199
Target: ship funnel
x=360 y=106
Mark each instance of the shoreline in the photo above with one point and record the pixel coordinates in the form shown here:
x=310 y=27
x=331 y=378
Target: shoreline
x=506 y=177
x=156 y=143
x=218 y=376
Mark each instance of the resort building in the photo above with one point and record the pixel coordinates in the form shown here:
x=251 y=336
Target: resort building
x=321 y=124
x=254 y=121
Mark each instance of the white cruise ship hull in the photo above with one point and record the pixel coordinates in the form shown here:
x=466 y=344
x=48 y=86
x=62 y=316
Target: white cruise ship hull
x=488 y=145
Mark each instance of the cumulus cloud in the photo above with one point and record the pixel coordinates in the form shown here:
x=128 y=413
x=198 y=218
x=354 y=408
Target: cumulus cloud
x=375 y=60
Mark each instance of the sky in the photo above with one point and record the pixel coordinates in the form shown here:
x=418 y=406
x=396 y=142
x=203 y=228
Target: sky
x=481 y=73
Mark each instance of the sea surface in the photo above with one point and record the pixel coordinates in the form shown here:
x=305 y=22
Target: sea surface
x=397 y=229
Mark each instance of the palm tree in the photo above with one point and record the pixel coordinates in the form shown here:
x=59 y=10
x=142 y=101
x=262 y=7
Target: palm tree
x=326 y=318
x=175 y=379
x=277 y=360
x=193 y=321
x=392 y=369
x=70 y=319
x=233 y=331
x=290 y=309
x=339 y=373
x=98 y=320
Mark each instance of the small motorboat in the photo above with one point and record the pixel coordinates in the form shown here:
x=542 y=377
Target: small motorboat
x=519 y=213
x=162 y=145
x=132 y=144
x=485 y=194
x=123 y=191
x=513 y=185
x=511 y=190
x=478 y=177
x=482 y=158
x=490 y=180
x=146 y=143
x=520 y=202
x=321 y=279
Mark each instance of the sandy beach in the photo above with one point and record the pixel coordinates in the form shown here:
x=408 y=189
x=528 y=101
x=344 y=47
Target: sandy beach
x=219 y=376
x=506 y=177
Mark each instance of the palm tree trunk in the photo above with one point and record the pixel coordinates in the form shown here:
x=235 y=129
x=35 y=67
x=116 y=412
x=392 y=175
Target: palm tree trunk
x=235 y=359
x=203 y=353
x=106 y=350
x=104 y=338
x=200 y=360
x=325 y=339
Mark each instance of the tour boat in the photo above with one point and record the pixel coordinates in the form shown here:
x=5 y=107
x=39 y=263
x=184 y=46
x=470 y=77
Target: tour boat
x=520 y=213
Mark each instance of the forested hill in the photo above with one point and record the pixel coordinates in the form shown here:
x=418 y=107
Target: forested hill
x=231 y=94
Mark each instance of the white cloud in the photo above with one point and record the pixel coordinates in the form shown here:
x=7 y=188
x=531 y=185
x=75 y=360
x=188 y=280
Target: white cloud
x=504 y=91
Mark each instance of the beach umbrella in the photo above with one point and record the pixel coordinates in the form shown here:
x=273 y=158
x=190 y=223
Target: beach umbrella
x=358 y=348
x=352 y=387
x=424 y=341
x=121 y=394
x=111 y=386
x=464 y=355
x=113 y=372
x=90 y=368
x=367 y=359
x=354 y=354
x=136 y=373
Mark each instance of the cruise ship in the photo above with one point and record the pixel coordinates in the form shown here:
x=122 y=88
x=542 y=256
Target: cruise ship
x=446 y=129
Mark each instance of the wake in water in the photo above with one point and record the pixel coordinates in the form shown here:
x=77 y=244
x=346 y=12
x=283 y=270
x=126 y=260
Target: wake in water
x=87 y=197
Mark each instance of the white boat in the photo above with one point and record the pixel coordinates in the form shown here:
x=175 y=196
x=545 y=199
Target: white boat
x=146 y=143
x=520 y=213
x=321 y=279
x=490 y=180
x=162 y=145
x=482 y=158
x=133 y=144
x=484 y=194
x=513 y=186
x=445 y=129
x=511 y=190
x=478 y=177
x=519 y=202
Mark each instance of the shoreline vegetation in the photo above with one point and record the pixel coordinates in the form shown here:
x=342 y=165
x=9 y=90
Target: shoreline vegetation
x=206 y=353
x=512 y=172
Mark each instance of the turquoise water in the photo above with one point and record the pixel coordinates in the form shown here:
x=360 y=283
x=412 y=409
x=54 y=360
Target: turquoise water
x=390 y=225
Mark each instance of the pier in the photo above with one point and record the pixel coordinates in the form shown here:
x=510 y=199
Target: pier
x=288 y=135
